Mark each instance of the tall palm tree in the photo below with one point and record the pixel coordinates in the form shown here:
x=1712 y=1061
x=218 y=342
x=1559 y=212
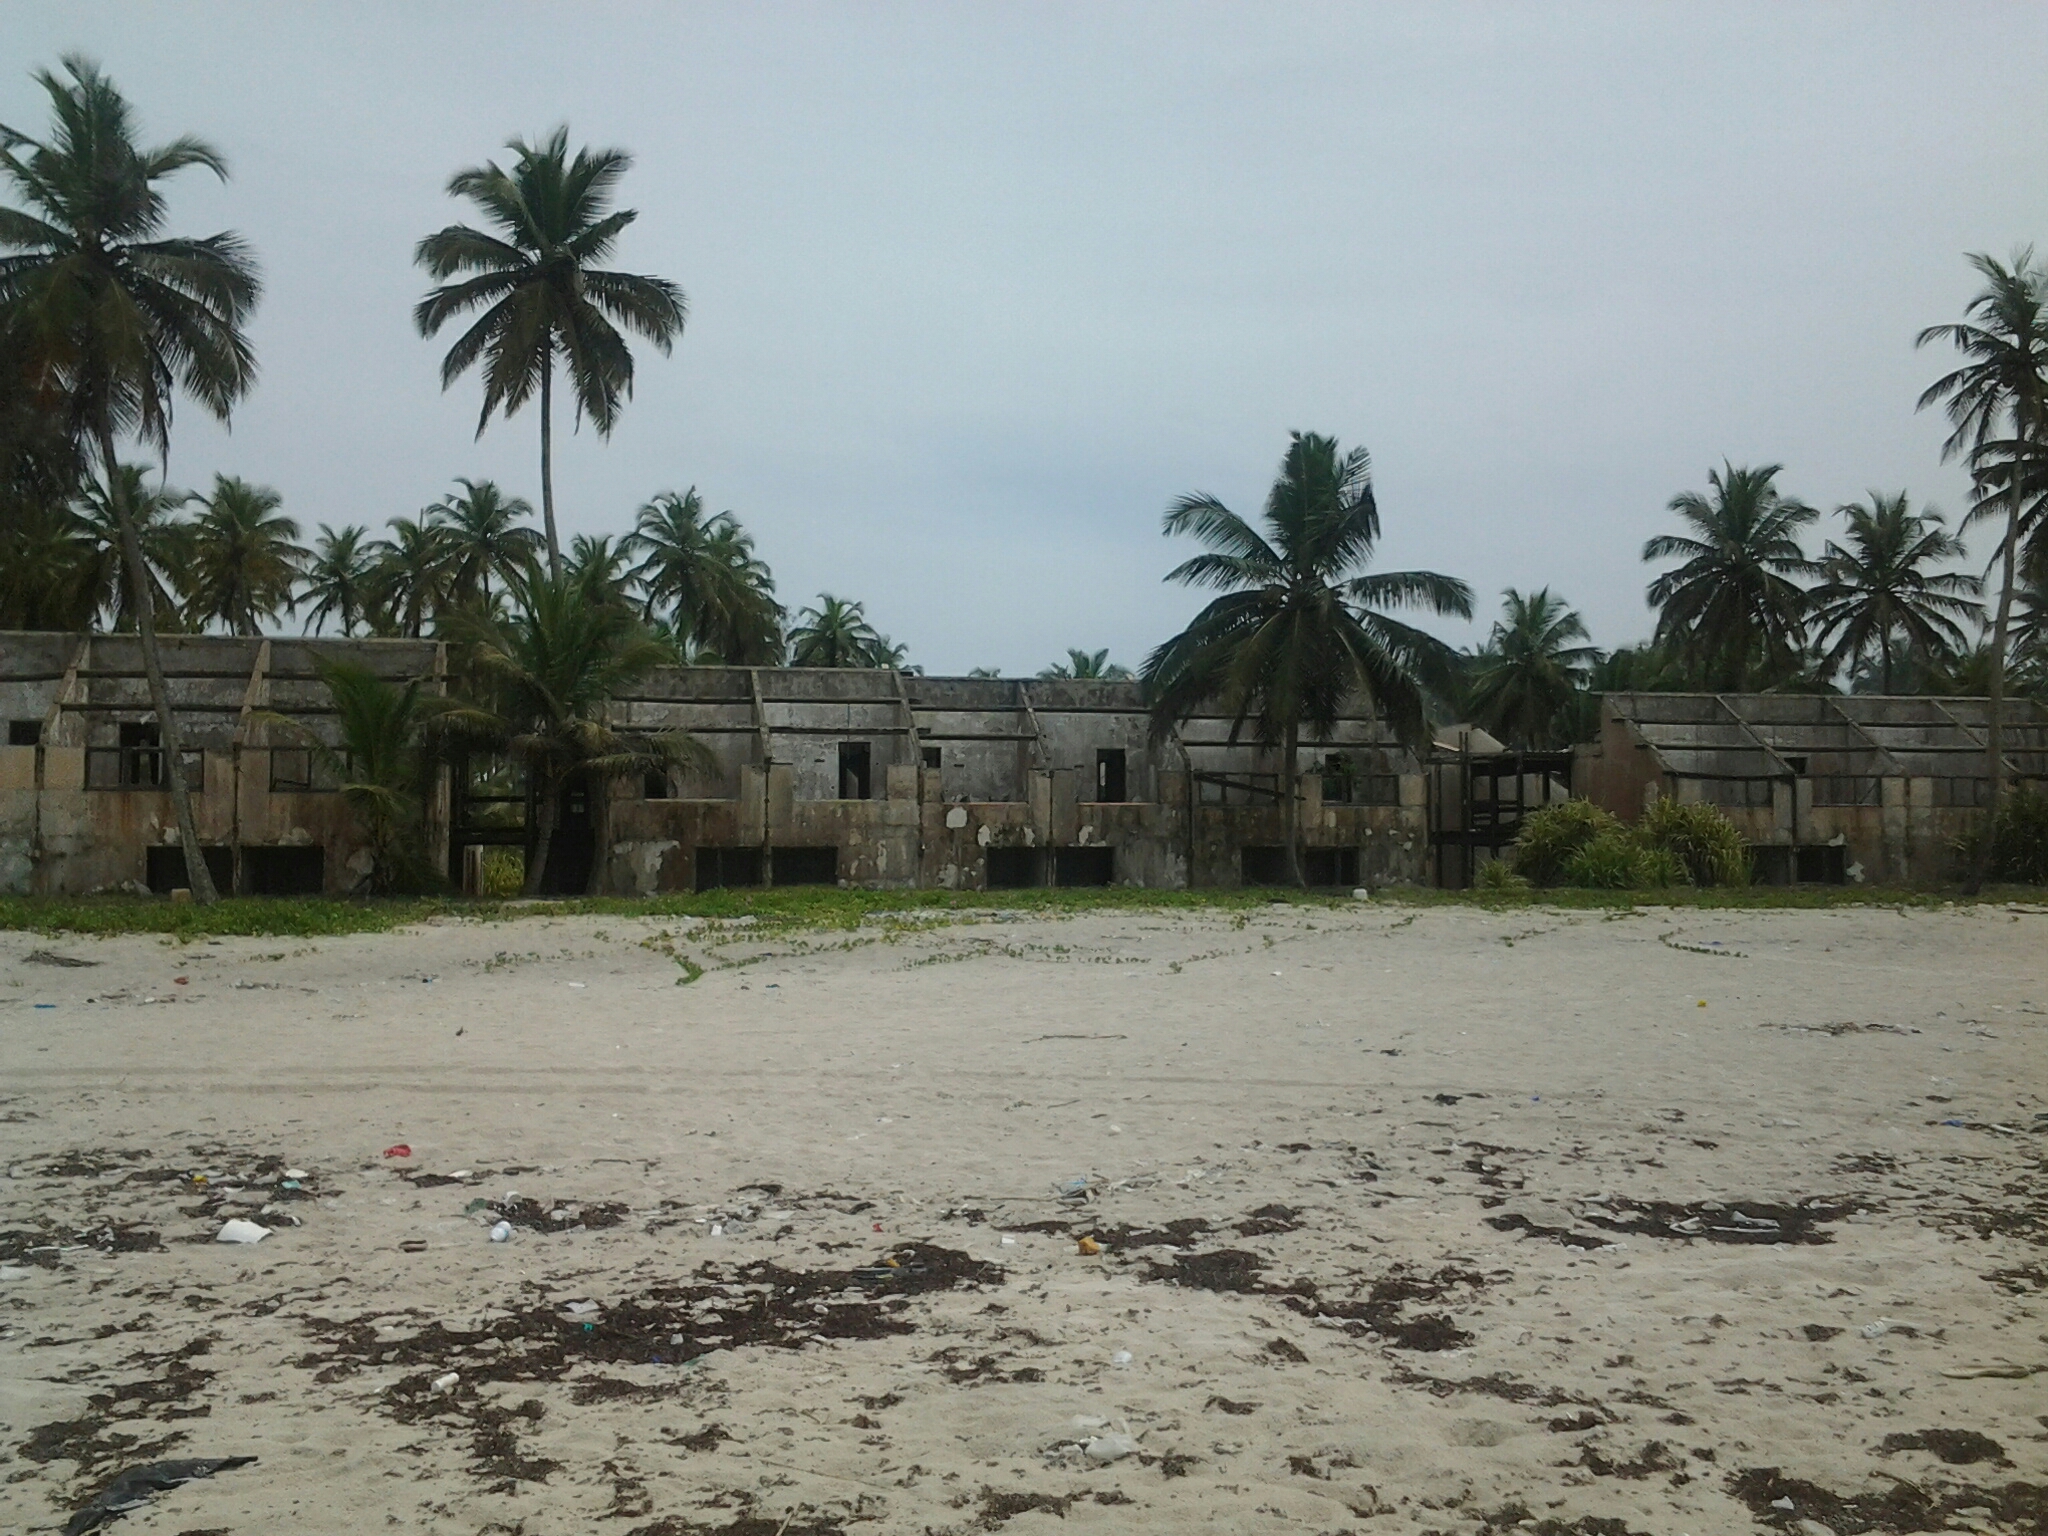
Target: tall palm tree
x=162 y=535
x=1879 y=592
x=340 y=578
x=48 y=569
x=1526 y=680
x=485 y=539
x=1300 y=629
x=837 y=633
x=245 y=558
x=412 y=575
x=1997 y=404
x=542 y=296
x=1734 y=609
x=599 y=564
x=551 y=670
x=1092 y=665
x=122 y=316
x=719 y=597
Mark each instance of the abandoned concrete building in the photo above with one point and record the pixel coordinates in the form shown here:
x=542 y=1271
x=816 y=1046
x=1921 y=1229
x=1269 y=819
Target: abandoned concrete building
x=880 y=778
x=872 y=778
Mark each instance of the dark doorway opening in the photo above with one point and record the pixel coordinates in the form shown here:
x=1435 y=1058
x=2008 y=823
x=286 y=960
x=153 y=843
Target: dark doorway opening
x=805 y=866
x=1015 y=869
x=284 y=871
x=856 y=777
x=1110 y=782
x=164 y=868
x=573 y=849
x=24 y=733
x=1084 y=866
x=718 y=867
x=1813 y=864
x=1262 y=866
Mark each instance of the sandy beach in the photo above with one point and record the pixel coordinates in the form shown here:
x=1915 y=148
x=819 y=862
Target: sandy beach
x=1404 y=1220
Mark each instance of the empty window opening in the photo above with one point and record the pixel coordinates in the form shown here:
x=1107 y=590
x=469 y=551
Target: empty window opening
x=1084 y=866
x=932 y=758
x=1961 y=793
x=656 y=786
x=805 y=866
x=1340 y=779
x=727 y=867
x=291 y=770
x=856 y=775
x=1737 y=794
x=1015 y=869
x=1319 y=866
x=24 y=733
x=283 y=871
x=1111 y=785
x=1847 y=789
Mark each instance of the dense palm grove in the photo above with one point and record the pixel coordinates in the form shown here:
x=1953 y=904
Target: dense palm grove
x=107 y=318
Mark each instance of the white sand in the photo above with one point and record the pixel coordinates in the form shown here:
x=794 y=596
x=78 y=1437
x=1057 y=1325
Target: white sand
x=1191 y=1066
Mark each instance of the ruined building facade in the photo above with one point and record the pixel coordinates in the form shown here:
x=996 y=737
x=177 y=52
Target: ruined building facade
x=869 y=778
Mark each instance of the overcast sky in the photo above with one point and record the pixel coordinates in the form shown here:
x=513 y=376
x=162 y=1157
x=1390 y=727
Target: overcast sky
x=977 y=290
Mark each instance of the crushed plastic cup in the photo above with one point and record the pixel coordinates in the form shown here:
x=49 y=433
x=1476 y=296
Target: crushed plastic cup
x=297 y=1173
x=240 y=1231
x=502 y=1232
x=399 y=1149
x=1108 y=1448
x=447 y=1383
x=1121 y=1357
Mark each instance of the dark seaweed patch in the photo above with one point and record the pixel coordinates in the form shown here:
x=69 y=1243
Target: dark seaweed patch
x=1957 y=1447
x=1783 y=1502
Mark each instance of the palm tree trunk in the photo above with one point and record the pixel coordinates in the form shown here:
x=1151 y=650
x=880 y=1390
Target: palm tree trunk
x=1887 y=642
x=547 y=465
x=198 y=878
x=1994 y=732
x=544 y=809
x=1290 y=814
x=601 y=837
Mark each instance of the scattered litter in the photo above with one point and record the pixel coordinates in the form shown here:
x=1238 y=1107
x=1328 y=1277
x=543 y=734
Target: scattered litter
x=2004 y=1371
x=1108 y=1448
x=135 y=1487
x=12 y=1272
x=1121 y=1357
x=240 y=1231
x=460 y=1173
x=577 y=984
x=1088 y=1247
x=52 y=1005
x=447 y=1383
x=297 y=1173
x=413 y=1245
x=502 y=1232
x=400 y=1149
x=1009 y=1242
x=582 y=1308
x=1878 y=1329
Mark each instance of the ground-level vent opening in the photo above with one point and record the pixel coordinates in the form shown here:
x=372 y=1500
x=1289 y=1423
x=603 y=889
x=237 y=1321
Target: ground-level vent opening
x=1808 y=864
x=1319 y=866
x=298 y=871
x=805 y=866
x=725 y=867
x=1084 y=866
x=164 y=870
x=1015 y=869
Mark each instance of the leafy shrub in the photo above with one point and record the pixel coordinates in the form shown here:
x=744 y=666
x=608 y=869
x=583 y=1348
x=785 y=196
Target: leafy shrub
x=1552 y=836
x=1704 y=843
x=2019 y=838
x=1498 y=877
x=1657 y=868
x=1611 y=861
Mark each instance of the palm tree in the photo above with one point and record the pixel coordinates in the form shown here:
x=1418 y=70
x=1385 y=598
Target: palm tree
x=1733 y=609
x=1092 y=665
x=599 y=565
x=412 y=575
x=162 y=535
x=1526 y=680
x=485 y=539
x=540 y=293
x=837 y=633
x=720 y=598
x=340 y=579
x=121 y=317
x=47 y=569
x=1299 y=632
x=379 y=766
x=1878 y=593
x=552 y=669
x=245 y=559
x=1997 y=403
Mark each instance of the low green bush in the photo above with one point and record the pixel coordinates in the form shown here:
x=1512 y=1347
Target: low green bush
x=2019 y=838
x=1550 y=837
x=1498 y=877
x=1705 y=844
